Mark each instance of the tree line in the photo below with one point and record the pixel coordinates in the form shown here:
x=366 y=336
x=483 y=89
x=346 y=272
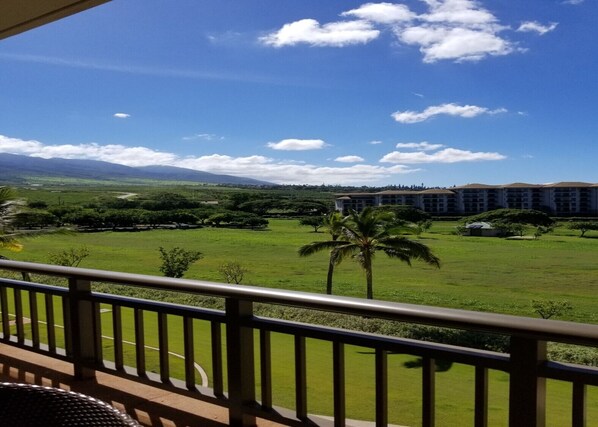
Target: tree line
x=167 y=209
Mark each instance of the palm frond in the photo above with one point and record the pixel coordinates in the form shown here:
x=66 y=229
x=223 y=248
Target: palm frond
x=399 y=254
x=334 y=223
x=10 y=243
x=343 y=251
x=312 y=248
x=394 y=245
x=7 y=194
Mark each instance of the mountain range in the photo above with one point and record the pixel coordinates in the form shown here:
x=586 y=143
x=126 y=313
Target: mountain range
x=17 y=169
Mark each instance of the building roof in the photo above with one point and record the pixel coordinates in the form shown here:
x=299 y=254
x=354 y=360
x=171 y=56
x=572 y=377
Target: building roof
x=481 y=224
x=521 y=185
x=350 y=195
x=398 y=193
x=570 y=184
x=437 y=191
x=476 y=186
x=17 y=16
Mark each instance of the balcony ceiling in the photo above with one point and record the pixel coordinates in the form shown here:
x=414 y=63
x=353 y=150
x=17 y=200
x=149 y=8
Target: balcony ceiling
x=17 y=16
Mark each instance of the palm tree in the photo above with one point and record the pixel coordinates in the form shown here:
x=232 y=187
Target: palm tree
x=8 y=206
x=10 y=237
x=365 y=233
x=334 y=224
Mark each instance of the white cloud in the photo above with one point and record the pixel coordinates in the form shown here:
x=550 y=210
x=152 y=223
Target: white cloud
x=383 y=13
x=309 y=31
x=203 y=137
x=448 y=155
x=454 y=30
x=19 y=146
x=349 y=159
x=419 y=146
x=281 y=172
x=466 y=111
x=297 y=144
x=260 y=167
x=534 y=26
x=122 y=115
x=574 y=2
x=461 y=12
x=458 y=44
x=375 y=142
x=115 y=153
x=458 y=30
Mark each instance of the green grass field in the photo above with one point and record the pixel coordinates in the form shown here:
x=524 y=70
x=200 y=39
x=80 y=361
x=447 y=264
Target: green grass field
x=477 y=273
x=488 y=274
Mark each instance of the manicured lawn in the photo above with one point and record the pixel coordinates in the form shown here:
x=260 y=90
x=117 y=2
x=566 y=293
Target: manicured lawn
x=477 y=273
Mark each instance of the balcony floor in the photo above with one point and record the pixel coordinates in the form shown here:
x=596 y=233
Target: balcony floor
x=149 y=405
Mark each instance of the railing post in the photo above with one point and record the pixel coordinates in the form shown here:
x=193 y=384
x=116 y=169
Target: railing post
x=527 y=390
x=240 y=362
x=82 y=328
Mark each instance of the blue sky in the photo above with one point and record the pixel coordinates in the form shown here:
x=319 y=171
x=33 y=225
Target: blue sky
x=440 y=92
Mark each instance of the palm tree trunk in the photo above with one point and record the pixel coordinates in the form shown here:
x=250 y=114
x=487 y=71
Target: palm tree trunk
x=329 y=277
x=330 y=270
x=367 y=265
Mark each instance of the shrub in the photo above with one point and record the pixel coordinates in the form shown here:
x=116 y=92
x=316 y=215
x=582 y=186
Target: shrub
x=550 y=308
x=583 y=226
x=519 y=216
x=176 y=261
x=573 y=354
x=70 y=257
x=312 y=221
x=233 y=272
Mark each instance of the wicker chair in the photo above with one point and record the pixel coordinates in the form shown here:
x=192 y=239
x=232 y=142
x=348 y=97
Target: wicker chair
x=26 y=405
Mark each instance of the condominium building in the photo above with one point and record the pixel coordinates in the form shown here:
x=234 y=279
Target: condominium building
x=560 y=199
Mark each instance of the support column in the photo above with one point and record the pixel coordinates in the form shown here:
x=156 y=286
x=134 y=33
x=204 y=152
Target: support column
x=527 y=390
x=82 y=328
x=240 y=362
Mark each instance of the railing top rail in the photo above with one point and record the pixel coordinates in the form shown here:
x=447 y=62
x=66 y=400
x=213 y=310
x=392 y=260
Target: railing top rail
x=548 y=330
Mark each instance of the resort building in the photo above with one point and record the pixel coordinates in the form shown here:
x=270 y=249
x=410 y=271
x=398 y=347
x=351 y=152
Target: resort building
x=560 y=199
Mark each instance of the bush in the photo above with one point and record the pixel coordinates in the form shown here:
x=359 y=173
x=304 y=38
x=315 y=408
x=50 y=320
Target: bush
x=37 y=204
x=479 y=340
x=233 y=272
x=312 y=221
x=176 y=261
x=518 y=216
x=34 y=218
x=70 y=257
x=583 y=226
x=573 y=354
x=550 y=308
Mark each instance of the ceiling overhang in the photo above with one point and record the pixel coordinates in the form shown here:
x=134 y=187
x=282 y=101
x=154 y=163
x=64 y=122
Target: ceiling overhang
x=17 y=16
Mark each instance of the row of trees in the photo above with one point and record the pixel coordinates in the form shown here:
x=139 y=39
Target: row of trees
x=583 y=226
x=118 y=218
x=516 y=221
x=243 y=209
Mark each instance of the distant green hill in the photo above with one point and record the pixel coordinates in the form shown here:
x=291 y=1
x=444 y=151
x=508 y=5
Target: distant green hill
x=17 y=169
